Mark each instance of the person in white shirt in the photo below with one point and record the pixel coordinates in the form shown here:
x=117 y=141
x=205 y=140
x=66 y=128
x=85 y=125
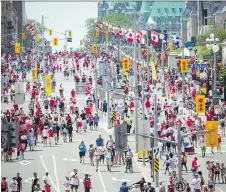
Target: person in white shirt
x=67 y=184
x=196 y=182
x=74 y=180
x=46 y=181
x=14 y=185
x=102 y=152
x=45 y=135
x=109 y=142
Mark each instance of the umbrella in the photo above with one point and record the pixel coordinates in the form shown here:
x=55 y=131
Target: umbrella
x=25 y=126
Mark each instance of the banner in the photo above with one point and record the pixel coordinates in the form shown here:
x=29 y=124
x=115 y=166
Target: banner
x=153 y=70
x=48 y=85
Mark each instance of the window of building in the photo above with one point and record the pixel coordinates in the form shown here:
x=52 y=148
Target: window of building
x=204 y=13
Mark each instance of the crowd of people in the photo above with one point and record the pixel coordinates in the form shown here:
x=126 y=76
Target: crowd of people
x=50 y=118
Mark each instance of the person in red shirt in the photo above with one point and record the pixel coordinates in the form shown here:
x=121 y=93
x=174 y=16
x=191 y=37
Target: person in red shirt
x=73 y=93
x=51 y=104
x=148 y=105
x=4 y=185
x=28 y=86
x=189 y=122
x=21 y=148
x=33 y=94
x=15 y=106
x=51 y=136
x=194 y=165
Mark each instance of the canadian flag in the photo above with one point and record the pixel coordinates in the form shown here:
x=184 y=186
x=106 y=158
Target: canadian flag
x=130 y=37
x=138 y=36
x=154 y=38
x=120 y=33
x=32 y=29
x=100 y=25
x=27 y=26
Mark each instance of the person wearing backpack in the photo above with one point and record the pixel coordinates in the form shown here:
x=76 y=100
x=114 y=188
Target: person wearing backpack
x=87 y=183
x=184 y=161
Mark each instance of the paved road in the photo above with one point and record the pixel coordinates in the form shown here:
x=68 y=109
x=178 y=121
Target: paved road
x=61 y=159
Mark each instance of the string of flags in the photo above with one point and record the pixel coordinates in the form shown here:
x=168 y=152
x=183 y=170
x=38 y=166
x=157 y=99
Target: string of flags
x=128 y=34
x=31 y=29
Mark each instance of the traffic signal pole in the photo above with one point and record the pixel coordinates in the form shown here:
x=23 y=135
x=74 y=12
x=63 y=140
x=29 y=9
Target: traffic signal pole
x=65 y=34
x=43 y=53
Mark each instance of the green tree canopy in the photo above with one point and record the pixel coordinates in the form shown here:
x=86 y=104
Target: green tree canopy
x=121 y=20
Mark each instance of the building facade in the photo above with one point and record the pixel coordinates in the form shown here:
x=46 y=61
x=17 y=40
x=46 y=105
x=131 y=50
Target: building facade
x=11 y=23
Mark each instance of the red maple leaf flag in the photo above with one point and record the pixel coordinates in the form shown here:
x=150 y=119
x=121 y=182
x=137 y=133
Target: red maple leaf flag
x=154 y=38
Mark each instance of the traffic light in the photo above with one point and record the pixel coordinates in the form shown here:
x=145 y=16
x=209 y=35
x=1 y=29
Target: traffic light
x=109 y=28
x=69 y=33
x=120 y=137
x=17 y=48
x=24 y=36
x=55 y=41
x=94 y=49
x=80 y=42
x=212 y=134
x=97 y=33
x=171 y=46
x=200 y=104
x=37 y=38
x=13 y=134
x=50 y=32
x=125 y=64
x=184 y=65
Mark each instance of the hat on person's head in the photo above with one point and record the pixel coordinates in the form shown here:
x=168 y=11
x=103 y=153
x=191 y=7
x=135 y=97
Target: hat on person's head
x=196 y=174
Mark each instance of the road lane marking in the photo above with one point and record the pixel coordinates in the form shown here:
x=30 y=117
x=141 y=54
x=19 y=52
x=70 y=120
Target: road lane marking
x=66 y=159
x=102 y=182
x=24 y=162
x=55 y=172
x=220 y=190
x=29 y=180
x=121 y=180
x=44 y=165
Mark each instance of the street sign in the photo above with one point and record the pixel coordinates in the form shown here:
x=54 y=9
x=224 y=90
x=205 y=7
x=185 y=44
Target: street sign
x=190 y=105
x=69 y=40
x=179 y=186
x=4 y=139
x=156 y=165
x=198 y=66
x=114 y=115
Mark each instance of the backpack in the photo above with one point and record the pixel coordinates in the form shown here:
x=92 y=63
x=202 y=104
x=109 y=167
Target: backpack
x=87 y=183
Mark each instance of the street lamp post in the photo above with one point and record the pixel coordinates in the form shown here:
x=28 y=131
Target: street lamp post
x=162 y=63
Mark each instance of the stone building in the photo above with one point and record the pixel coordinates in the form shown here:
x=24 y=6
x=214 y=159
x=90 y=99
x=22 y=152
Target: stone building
x=12 y=15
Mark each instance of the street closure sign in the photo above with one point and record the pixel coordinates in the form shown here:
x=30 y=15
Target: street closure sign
x=190 y=105
x=179 y=186
x=4 y=139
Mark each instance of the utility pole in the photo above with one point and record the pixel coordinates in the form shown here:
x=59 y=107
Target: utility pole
x=214 y=58
x=162 y=63
x=135 y=80
x=155 y=135
x=179 y=147
x=182 y=42
x=96 y=99
x=43 y=48
x=65 y=34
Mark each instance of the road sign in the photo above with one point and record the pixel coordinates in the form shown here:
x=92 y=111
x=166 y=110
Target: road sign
x=4 y=139
x=114 y=115
x=69 y=39
x=190 y=105
x=179 y=186
x=156 y=165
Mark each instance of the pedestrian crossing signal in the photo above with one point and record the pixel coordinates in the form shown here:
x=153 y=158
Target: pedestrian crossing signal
x=94 y=49
x=184 y=65
x=55 y=41
x=200 y=102
x=125 y=64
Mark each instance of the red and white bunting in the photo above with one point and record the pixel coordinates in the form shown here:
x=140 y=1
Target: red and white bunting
x=27 y=26
x=154 y=38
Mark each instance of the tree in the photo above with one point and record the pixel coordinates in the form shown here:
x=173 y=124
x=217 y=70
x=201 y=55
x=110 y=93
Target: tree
x=121 y=20
x=38 y=31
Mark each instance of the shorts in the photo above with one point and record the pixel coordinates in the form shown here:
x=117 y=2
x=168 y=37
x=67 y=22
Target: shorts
x=91 y=123
x=101 y=157
x=46 y=107
x=96 y=124
x=74 y=187
x=45 y=137
x=194 y=139
x=81 y=154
